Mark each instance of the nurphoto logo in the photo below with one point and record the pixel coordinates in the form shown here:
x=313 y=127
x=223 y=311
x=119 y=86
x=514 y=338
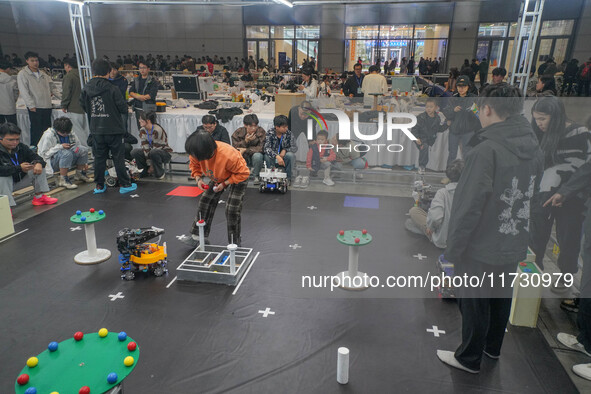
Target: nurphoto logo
x=344 y=132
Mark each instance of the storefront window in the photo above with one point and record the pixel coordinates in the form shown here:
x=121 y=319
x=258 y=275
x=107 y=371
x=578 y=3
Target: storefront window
x=362 y=32
x=257 y=31
x=557 y=28
x=306 y=31
x=492 y=30
x=396 y=31
x=431 y=31
x=282 y=32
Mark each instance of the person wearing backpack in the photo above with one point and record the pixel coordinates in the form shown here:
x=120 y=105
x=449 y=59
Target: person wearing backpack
x=585 y=78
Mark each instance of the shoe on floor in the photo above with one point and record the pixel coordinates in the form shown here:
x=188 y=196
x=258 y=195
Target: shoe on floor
x=257 y=181
x=98 y=190
x=82 y=176
x=305 y=182
x=412 y=227
x=421 y=171
x=570 y=305
x=487 y=354
x=44 y=200
x=328 y=182
x=161 y=177
x=583 y=370
x=571 y=342
x=449 y=358
x=128 y=189
x=445 y=181
x=189 y=240
x=298 y=181
x=359 y=175
x=64 y=181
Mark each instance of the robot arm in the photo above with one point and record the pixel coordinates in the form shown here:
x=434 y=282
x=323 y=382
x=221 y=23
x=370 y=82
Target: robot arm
x=129 y=240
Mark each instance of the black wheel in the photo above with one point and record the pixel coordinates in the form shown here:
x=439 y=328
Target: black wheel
x=262 y=188
x=110 y=181
x=129 y=275
x=283 y=189
x=158 y=271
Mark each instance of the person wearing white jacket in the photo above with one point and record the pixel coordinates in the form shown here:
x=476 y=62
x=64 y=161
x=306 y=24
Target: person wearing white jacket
x=435 y=223
x=36 y=89
x=373 y=84
x=8 y=95
x=310 y=85
x=59 y=147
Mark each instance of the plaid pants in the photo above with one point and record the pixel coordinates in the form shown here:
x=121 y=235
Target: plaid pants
x=208 y=204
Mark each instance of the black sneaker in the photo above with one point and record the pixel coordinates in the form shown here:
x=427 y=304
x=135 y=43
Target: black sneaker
x=570 y=305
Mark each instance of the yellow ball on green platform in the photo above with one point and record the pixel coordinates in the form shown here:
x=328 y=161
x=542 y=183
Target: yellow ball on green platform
x=128 y=361
x=32 y=362
x=103 y=332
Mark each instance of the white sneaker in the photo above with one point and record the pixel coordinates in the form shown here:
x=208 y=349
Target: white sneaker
x=571 y=342
x=583 y=370
x=82 y=176
x=421 y=171
x=449 y=358
x=305 y=182
x=328 y=182
x=64 y=181
x=359 y=175
x=298 y=181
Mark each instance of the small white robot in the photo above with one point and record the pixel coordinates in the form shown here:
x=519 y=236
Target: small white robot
x=273 y=179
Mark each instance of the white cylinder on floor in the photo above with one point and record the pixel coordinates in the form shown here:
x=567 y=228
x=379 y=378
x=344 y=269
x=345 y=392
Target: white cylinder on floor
x=343 y=365
x=90 y=239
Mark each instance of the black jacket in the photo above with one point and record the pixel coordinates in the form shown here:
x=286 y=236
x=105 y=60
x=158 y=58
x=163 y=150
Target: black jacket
x=22 y=154
x=464 y=121
x=351 y=85
x=427 y=128
x=219 y=134
x=121 y=83
x=490 y=212
x=103 y=104
x=150 y=87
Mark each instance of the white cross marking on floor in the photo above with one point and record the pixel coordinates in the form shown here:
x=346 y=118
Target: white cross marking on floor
x=75 y=228
x=221 y=202
x=181 y=237
x=115 y=296
x=436 y=331
x=267 y=312
x=134 y=195
x=296 y=246
x=419 y=256
x=312 y=207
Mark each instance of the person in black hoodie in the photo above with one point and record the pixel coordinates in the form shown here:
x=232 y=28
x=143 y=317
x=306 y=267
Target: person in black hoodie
x=20 y=166
x=488 y=229
x=104 y=105
x=566 y=146
x=121 y=83
x=461 y=118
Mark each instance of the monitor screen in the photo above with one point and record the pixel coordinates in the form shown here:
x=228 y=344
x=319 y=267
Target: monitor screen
x=186 y=83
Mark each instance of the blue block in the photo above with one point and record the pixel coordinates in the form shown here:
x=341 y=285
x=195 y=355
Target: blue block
x=362 y=202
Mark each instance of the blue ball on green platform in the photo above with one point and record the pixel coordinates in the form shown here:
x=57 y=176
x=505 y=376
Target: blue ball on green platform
x=101 y=212
x=52 y=346
x=31 y=390
x=122 y=336
x=78 y=213
x=83 y=218
x=112 y=378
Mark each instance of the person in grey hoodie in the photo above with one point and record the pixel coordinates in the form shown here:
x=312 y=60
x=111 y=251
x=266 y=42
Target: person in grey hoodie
x=8 y=95
x=71 y=89
x=103 y=103
x=435 y=222
x=36 y=89
x=489 y=225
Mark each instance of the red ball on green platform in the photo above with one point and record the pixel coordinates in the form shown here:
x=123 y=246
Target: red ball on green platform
x=131 y=346
x=79 y=335
x=84 y=390
x=23 y=379
x=91 y=210
x=342 y=232
x=357 y=240
x=364 y=231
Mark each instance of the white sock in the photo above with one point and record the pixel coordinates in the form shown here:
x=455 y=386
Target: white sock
x=38 y=195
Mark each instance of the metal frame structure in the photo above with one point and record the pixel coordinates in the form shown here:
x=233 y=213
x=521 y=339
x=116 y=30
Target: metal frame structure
x=532 y=35
x=81 y=28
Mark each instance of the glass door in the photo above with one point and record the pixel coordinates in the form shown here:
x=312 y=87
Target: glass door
x=559 y=52
x=544 y=50
x=263 y=51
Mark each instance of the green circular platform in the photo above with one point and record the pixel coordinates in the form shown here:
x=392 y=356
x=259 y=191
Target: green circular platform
x=349 y=238
x=80 y=363
x=90 y=217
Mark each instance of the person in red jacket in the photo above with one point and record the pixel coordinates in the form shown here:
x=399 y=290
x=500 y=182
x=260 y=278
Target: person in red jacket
x=216 y=166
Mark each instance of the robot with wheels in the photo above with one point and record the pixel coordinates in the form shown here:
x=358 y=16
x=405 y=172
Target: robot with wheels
x=273 y=179
x=111 y=175
x=136 y=255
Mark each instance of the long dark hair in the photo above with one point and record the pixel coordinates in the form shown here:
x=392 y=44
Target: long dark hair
x=553 y=107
